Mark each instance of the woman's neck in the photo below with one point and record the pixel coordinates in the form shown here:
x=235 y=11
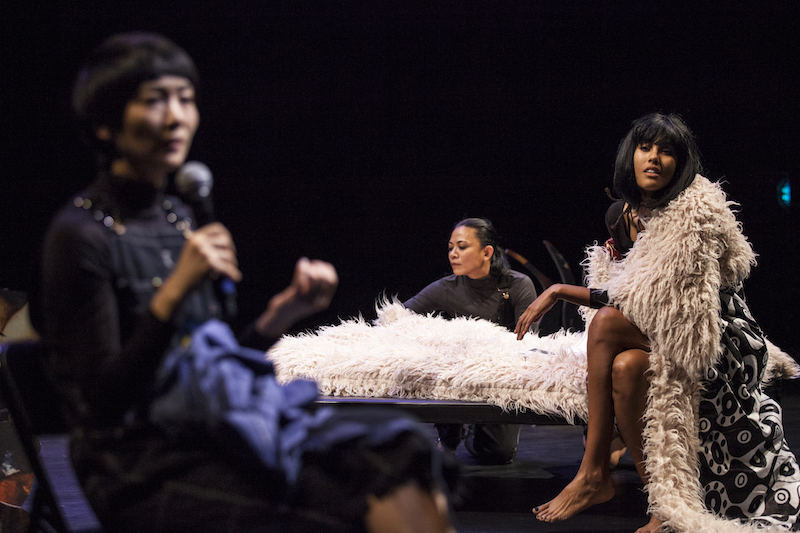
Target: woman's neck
x=123 y=196
x=124 y=169
x=482 y=273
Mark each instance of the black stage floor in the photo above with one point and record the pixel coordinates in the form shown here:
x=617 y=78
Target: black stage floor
x=499 y=498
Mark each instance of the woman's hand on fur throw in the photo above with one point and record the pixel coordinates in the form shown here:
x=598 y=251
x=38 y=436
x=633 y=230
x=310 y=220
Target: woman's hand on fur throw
x=550 y=297
x=535 y=311
x=313 y=286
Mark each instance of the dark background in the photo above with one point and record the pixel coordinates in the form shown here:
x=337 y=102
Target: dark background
x=360 y=133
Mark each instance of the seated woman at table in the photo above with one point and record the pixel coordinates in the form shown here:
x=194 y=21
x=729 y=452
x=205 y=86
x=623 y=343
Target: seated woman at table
x=127 y=278
x=483 y=286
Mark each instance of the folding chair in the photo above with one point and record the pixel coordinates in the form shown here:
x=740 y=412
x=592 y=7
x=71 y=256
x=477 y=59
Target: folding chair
x=32 y=406
x=565 y=315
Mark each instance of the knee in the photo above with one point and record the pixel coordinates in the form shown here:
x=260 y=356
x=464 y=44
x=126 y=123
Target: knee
x=629 y=371
x=606 y=322
x=609 y=326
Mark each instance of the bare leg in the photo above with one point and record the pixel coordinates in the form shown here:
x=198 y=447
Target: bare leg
x=629 y=393
x=609 y=334
x=630 y=400
x=409 y=509
x=618 y=450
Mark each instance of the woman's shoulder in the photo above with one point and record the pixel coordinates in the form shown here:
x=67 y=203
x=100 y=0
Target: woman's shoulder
x=520 y=278
x=447 y=280
x=76 y=225
x=441 y=284
x=614 y=211
x=617 y=227
x=77 y=216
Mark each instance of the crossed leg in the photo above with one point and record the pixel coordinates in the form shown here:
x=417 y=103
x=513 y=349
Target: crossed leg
x=629 y=393
x=617 y=362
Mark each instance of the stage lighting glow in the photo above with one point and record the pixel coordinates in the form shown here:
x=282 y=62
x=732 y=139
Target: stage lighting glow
x=785 y=193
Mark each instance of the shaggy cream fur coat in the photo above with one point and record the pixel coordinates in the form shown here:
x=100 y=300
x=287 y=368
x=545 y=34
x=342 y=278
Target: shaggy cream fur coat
x=668 y=285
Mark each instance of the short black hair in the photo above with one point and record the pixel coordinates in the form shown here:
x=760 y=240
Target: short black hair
x=657 y=128
x=111 y=77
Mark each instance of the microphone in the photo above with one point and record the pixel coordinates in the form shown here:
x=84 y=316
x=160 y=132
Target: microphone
x=194 y=182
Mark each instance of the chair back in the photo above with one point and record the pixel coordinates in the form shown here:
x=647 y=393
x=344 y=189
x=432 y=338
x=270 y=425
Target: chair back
x=23 y=377
x=33 y=408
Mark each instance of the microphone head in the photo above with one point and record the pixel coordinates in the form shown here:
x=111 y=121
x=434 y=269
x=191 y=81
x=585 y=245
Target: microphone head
x=194 y=180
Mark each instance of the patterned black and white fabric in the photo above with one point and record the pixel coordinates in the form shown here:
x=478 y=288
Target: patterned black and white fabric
x=746 y=467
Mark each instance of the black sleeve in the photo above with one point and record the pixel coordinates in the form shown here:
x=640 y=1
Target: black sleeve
x=428 y=300
x=525 y=295
x=252 y=339
x=598 y=298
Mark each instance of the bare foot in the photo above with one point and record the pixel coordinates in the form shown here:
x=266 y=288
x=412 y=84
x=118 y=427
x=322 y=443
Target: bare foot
x=651 y=527
x=580 y=494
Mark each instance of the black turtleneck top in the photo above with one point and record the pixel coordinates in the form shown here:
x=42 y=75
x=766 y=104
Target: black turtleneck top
x=457 y=296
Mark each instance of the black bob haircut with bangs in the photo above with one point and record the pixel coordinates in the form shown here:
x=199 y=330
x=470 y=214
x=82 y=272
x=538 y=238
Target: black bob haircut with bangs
x=111 y=77
x=657 y=128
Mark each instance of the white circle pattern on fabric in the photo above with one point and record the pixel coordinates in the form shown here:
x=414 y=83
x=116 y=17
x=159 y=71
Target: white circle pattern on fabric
x=746 y=468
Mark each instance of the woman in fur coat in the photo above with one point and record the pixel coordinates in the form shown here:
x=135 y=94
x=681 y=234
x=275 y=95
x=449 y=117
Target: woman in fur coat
x=674 y=356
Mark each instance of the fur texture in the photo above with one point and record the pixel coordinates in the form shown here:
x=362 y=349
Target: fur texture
x=407 y=355
x=668 y=285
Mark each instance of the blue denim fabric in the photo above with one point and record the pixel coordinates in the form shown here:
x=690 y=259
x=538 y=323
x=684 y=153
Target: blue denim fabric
x=216 y=384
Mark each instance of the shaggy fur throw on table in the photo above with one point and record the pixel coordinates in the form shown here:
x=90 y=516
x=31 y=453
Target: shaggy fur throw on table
x=406 y=355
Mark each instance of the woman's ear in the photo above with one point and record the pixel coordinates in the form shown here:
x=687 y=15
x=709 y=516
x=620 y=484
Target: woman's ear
x=103 y=133
x=488 y=251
